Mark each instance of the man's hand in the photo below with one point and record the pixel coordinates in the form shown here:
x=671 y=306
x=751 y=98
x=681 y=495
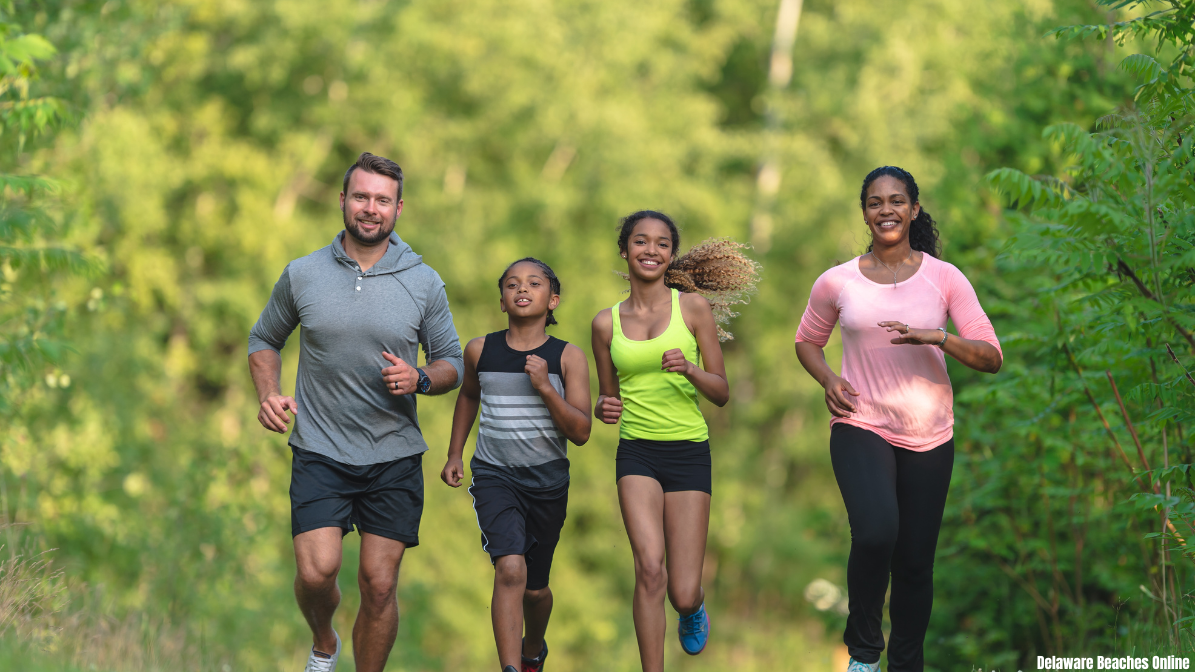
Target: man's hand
x=400 y=379
x=272 y=414
x=609 y=409
x=454 y=471
x=537 y=369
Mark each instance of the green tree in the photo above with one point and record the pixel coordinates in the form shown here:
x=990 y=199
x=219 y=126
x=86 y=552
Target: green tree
x=30 y=246
x=214 y=139
x=1088 y=424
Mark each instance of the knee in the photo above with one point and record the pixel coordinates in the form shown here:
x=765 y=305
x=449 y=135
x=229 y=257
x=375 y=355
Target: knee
x=651 y=574
x=534 y=598
x=510 y=571
x=317 y=576
x=913 y=571
x=878 y=537
x=685 y=598
x=377 y=587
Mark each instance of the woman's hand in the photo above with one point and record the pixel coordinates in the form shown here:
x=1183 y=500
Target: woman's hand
x=674 y=361
x=838 y=396
x=608 y=410
x=910 y=336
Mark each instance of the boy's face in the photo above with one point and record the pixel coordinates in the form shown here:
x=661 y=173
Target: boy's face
x=526 y=292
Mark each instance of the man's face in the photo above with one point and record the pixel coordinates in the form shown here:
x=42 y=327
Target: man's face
x=370 y=207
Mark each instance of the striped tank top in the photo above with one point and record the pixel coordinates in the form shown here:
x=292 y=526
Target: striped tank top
x=657 y=404
x=517 y=439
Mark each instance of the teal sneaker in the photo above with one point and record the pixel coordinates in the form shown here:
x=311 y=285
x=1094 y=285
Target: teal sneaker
x=694 y=631
x=858 y=666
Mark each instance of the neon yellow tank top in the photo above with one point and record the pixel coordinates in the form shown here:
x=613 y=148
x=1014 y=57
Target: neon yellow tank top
x=657 y=404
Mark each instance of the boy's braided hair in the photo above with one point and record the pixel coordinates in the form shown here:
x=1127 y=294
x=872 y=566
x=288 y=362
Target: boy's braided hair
x=553 y=281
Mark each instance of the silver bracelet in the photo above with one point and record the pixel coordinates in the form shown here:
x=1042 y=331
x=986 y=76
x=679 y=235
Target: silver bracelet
x=944 y=337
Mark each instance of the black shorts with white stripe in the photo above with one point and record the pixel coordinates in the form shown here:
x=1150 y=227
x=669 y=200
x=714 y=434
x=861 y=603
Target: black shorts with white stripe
x=517 y=521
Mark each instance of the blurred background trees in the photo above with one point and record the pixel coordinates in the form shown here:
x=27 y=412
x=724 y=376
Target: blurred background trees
x=206 y=145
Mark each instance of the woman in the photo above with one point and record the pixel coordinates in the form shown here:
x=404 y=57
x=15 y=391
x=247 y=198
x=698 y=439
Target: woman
x=646 y=349
x=891 y=437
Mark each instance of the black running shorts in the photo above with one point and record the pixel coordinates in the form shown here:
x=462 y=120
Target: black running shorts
x=677 y=465
x=385 y=499
x=515 y=521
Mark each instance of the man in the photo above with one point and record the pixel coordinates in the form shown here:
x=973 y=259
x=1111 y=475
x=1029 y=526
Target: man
x=365 y=302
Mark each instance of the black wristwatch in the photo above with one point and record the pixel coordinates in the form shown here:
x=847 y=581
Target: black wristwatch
x=424 y=385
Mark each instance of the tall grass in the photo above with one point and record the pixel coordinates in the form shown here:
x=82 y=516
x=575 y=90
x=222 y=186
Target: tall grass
x=48 y=623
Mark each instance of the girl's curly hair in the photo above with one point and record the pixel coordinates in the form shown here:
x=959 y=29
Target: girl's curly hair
x=718 y=269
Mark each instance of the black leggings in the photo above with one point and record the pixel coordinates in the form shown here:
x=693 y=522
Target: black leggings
x=894 y=498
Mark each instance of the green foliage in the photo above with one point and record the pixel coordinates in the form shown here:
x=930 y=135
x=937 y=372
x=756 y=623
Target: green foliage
x=1102 y=253
x=213 y=140
x=30 y=320
x=1166 y=27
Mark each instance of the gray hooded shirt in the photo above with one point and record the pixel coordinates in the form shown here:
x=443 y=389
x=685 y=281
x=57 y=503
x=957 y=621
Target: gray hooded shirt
x=349 y=318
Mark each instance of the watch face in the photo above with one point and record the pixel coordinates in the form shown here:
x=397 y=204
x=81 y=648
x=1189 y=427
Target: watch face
x=425 y=383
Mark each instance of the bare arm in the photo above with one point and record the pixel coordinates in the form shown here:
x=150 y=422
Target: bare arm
x=609 y=402
x=571 y=412
x=711 y=381
x=978 y=355
x=468 y=400
x=443 y=376
x=838 y=390
x=266 y=368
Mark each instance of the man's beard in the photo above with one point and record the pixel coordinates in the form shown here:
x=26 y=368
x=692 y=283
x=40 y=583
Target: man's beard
x=383 y=232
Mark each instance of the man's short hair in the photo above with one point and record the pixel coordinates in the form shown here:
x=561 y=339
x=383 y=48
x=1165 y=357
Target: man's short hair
x=378 y=165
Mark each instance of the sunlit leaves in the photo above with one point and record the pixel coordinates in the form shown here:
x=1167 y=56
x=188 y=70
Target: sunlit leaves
x=29 y=257
x=1112 y=237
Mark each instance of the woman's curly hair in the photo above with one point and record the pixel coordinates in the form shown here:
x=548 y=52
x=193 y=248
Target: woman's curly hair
x=717 y=269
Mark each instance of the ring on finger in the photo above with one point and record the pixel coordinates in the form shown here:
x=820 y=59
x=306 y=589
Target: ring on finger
x=395 y=385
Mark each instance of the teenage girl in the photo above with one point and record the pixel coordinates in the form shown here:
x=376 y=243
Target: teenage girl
x=891 y=439
x=647 y=349
x=533 y=393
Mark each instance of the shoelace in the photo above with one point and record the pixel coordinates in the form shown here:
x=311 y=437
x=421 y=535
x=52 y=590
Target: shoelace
x=317 y=664
x=694 y=624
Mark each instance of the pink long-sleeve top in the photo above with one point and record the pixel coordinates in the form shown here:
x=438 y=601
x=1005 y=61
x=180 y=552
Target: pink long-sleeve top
x=904 y=393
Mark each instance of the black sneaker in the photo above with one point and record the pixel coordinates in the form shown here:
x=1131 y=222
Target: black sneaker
x=535 y=664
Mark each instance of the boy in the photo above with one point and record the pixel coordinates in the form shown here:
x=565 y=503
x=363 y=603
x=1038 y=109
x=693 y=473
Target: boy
x=533 y=393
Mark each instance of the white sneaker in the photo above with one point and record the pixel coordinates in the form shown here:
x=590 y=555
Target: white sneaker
x=859 y=666
x=317 y=663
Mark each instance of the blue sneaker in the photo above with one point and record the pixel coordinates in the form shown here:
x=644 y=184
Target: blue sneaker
x=859 y=666
x=694 y=631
